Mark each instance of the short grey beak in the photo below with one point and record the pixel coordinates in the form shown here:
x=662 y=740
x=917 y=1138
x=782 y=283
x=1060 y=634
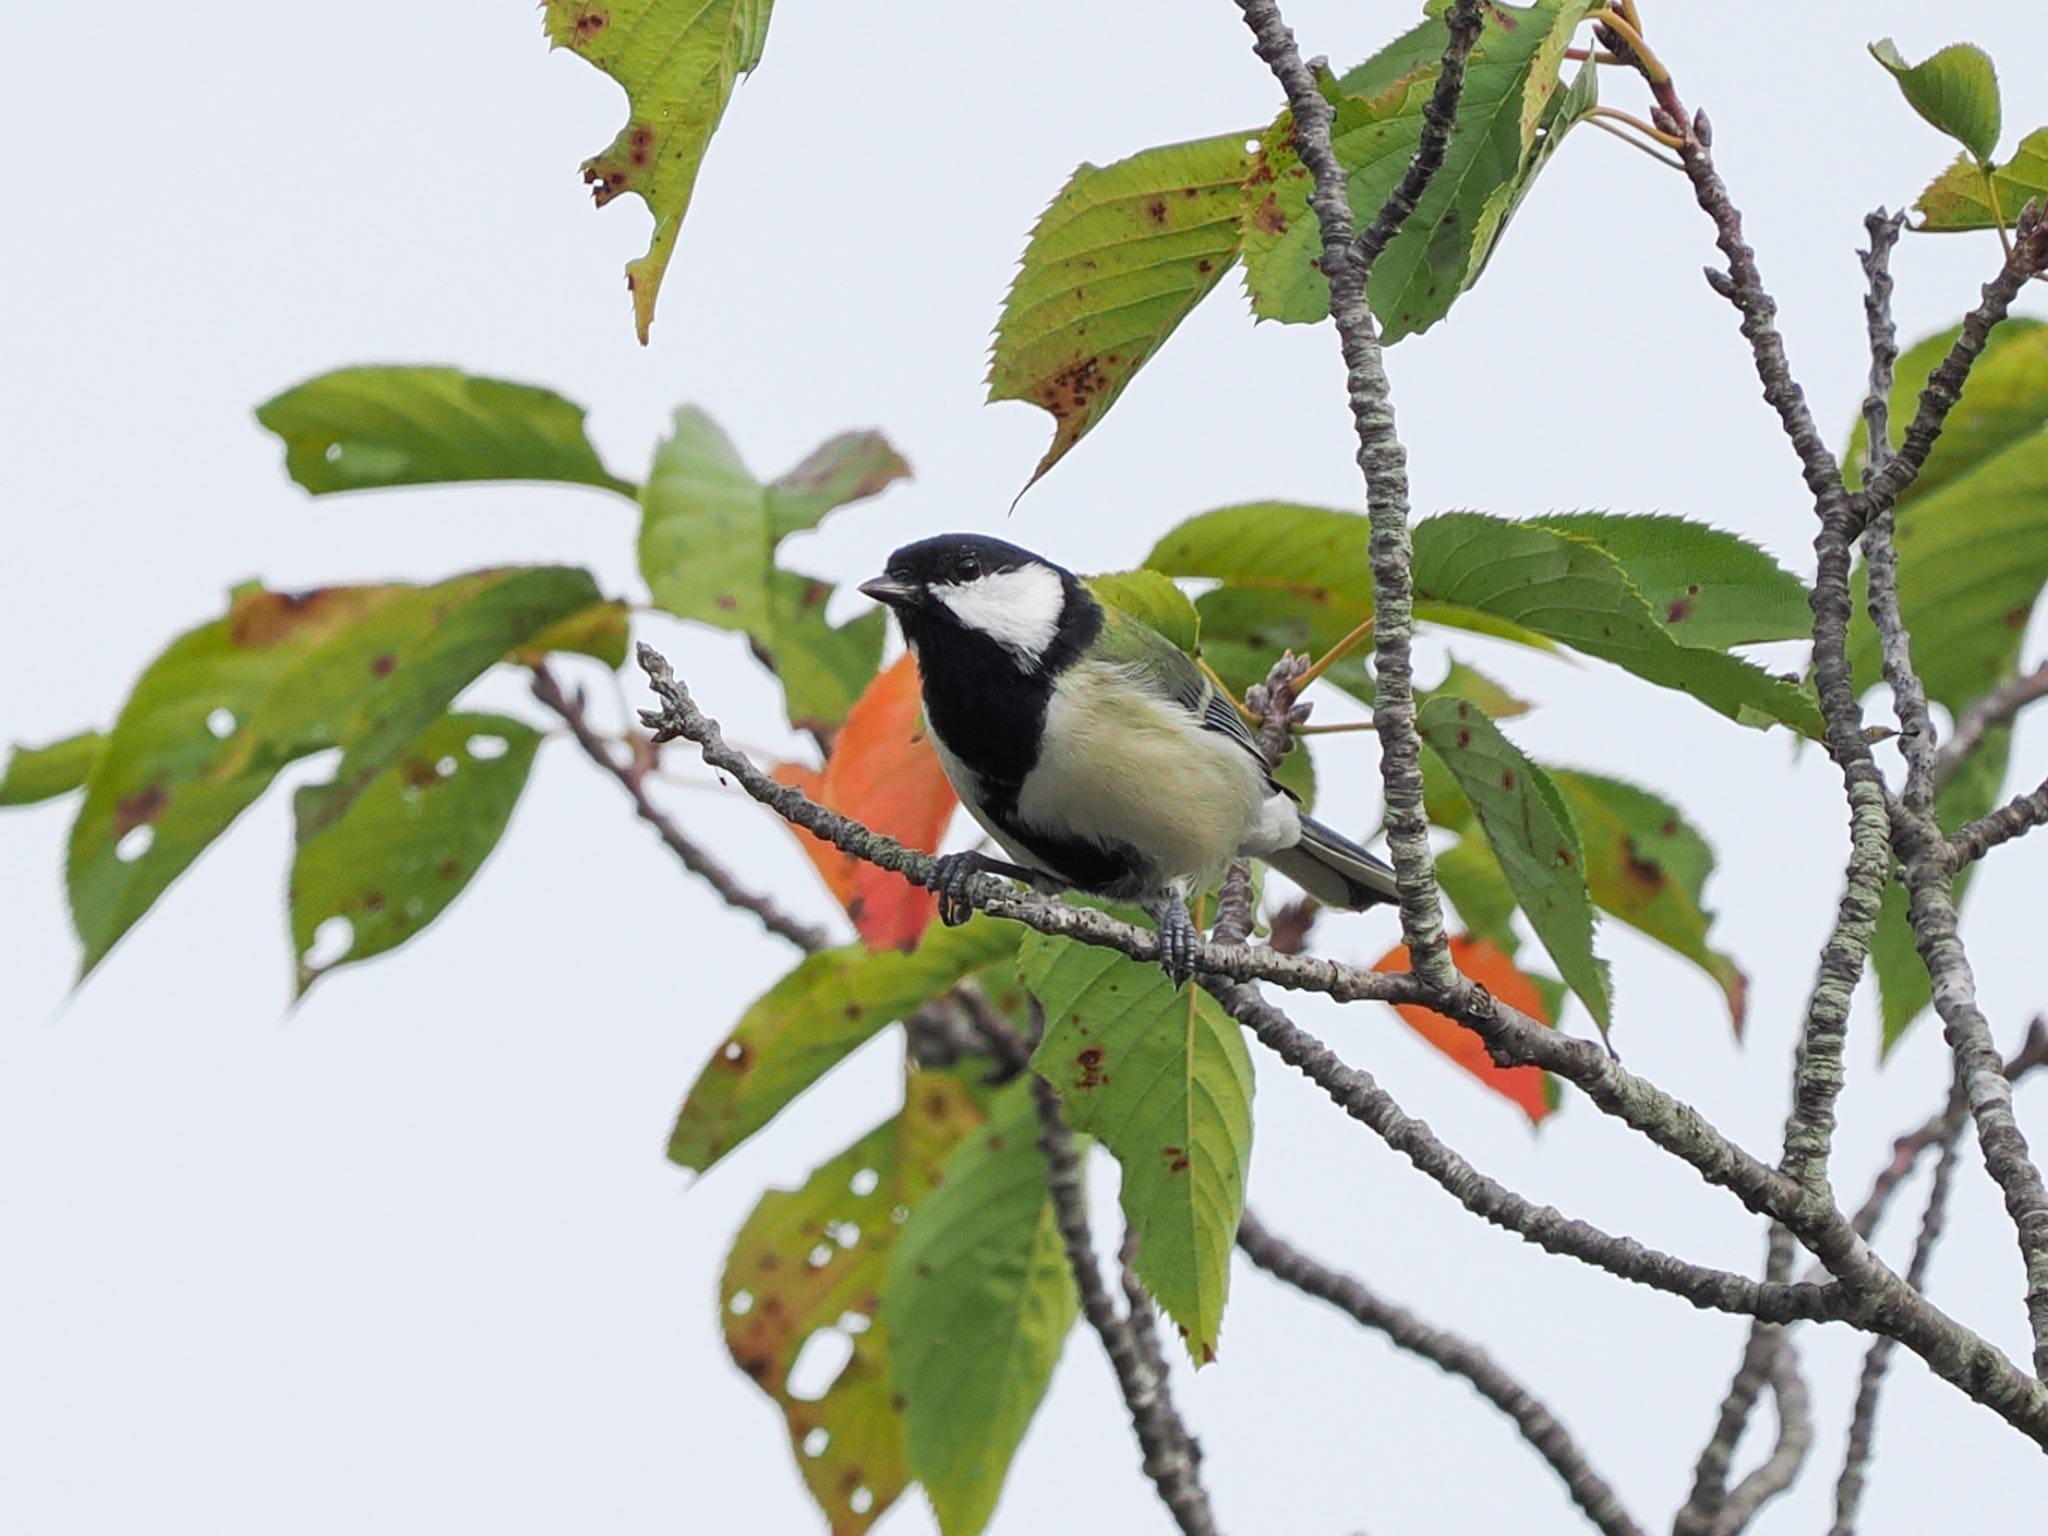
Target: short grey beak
x=886 y=589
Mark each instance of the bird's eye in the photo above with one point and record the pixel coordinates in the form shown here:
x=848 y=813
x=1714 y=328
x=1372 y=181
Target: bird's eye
x=967 y=567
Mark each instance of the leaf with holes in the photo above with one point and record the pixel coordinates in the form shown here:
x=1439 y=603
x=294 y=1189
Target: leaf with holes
x=1972 y=543
x=410 y=843
x=1903 y=988
x=1505 y=116
x=1531 y=833
x=1118 y=260
x=708 y=537
x=884 y=774
x=359 y=429
x=1648 y=866
x=42 y=773
x=979 y=1302
x=1152 y=599
x=214 y=718
x=1163 y=1077
x=1955 y=89
x=1958 y=199
x=811 y=1020
x=1531 y=1088
x=813 y=1262
x=678 y=61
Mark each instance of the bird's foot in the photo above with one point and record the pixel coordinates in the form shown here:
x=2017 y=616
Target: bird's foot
x=1178 y=937
x=955 y=871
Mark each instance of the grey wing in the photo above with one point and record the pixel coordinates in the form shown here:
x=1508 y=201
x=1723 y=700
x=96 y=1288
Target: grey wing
x=1169 y=669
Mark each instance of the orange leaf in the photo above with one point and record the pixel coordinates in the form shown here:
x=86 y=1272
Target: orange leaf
x=885 y=775
x=1529 y=1087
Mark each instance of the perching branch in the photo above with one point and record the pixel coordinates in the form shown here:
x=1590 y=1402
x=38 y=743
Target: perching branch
x=1452 y=1355
x=1996 y=708
x=1878 y=1297
x=2019 y=815
x=1347 y=263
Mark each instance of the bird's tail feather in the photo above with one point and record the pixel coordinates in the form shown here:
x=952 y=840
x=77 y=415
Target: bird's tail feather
x=1335 y=870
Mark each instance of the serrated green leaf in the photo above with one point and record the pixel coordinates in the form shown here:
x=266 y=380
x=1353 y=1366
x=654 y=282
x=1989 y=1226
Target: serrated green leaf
x=1152 y=599
x=1162 y=1076
x=980 y=1300
x=1118 y=260
x=1957 y=199
x=708 y=537
x=43 y=773
x=1903 y=988
x=1648 y=866
x=1955 y=89
x=815 y=1259
x=411 y=841
x=1565 y=110
x=1706 y=586
x=1510 y=81
x=1972 y=543
x=1531 y=833
x=811 y=1020
x=361 y=429
x=213 y=719
x=678 y=61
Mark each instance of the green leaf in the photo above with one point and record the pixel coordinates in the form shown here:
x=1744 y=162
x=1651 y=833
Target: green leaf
x=1957 y=199
x=1531 y=834
x=1565 y=111
x=814 y=1260
x=1955 y=89
x=1152 y=599
x=361 y=429
x=599 y=631
x=1527 y=582
x=708 y=537
x=1706 y=586
x=811 y=1020
x=1163 y=1077
x=213 y=719
x=980 y=1300
x=1114 y=264
x=410 y=843
x=1903 y=988
x=1470 y=876
x=43 y=773
x=678 y=61
x=1648 y=866
x=1510 y=82
x=1972 y=543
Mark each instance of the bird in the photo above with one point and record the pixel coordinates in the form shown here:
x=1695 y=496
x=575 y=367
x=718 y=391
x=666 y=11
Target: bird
x=1093 y=749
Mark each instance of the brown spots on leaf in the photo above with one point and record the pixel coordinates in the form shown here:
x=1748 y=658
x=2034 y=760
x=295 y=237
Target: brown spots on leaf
x=815 y=593
x=936 y=1103
x=898 y=1402
x=1261 y=174
x=756 y=1366
x=1267 y=217
x=725 y=602
x=769 y=1263
x=588 y=24
x=1646 y=877
x=383 y=664
x=1089 y=1059
x=1298 y=173
x=448 y=868
x=1205 y=266
x=418 y=773
x=1679 y=611
x=1189 y=191
x=1176 y=1159
x=736 y=1056
x=606 y=181
x=1069 y=391
x=1156 y=210
x=1464 y=740
x=261 y=619
x=1669 y=827
x=1507 y=778
x=640 y=148
x=140 y=809
x=1564 y=857
x=996 y=1143
x=1503 y=18
x=853 y=1010
x=373 y=901
x=1464 y=710
x=2016 y=618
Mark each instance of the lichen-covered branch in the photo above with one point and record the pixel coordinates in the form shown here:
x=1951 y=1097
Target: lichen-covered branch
x=1878 y=1297
x=2017 y=816
x=1996 y=708
x=1347 y=263
x=1453 y=1355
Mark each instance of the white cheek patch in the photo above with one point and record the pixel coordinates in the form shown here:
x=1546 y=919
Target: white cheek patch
x=1018 y=609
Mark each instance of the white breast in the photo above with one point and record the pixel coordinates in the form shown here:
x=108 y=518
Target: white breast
x=1120 y=765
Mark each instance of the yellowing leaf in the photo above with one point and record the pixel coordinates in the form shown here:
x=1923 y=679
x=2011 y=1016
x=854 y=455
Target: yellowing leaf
x=1957 y=199
x=678 y=61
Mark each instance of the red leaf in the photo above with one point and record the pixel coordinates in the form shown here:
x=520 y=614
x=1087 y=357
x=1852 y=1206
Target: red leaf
x=885 y=775
x=1529 y=1087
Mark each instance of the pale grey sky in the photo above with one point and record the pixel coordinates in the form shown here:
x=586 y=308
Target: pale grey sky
x=410 y=1258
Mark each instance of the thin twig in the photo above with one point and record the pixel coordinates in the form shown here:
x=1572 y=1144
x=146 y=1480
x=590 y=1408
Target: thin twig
x=1760 y=1353
x=633 y=778
x=1879 y=1299
x=2017 y=816
x=1172 y=1460
x=1996 y=708
x=1454 y=1356
x=1778 y=1471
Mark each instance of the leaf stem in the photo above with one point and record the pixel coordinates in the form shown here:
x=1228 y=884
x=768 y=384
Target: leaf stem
x=1668 y=140
x=1625 y=28
x=1333 y=655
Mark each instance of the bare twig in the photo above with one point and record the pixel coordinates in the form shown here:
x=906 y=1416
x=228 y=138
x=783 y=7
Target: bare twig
x=1760 y=1353
x=632 y=777
x=1453 y=1355
x=1878 y=1297
x=1996 y=708
x=2017 y=816
x=1795 y=1438
x=1172 y=1459
x=1863 y=1424
x=1347 y=263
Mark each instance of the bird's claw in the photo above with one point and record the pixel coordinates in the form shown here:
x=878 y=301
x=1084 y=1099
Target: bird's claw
x=1178 y=940
x=949 y=879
